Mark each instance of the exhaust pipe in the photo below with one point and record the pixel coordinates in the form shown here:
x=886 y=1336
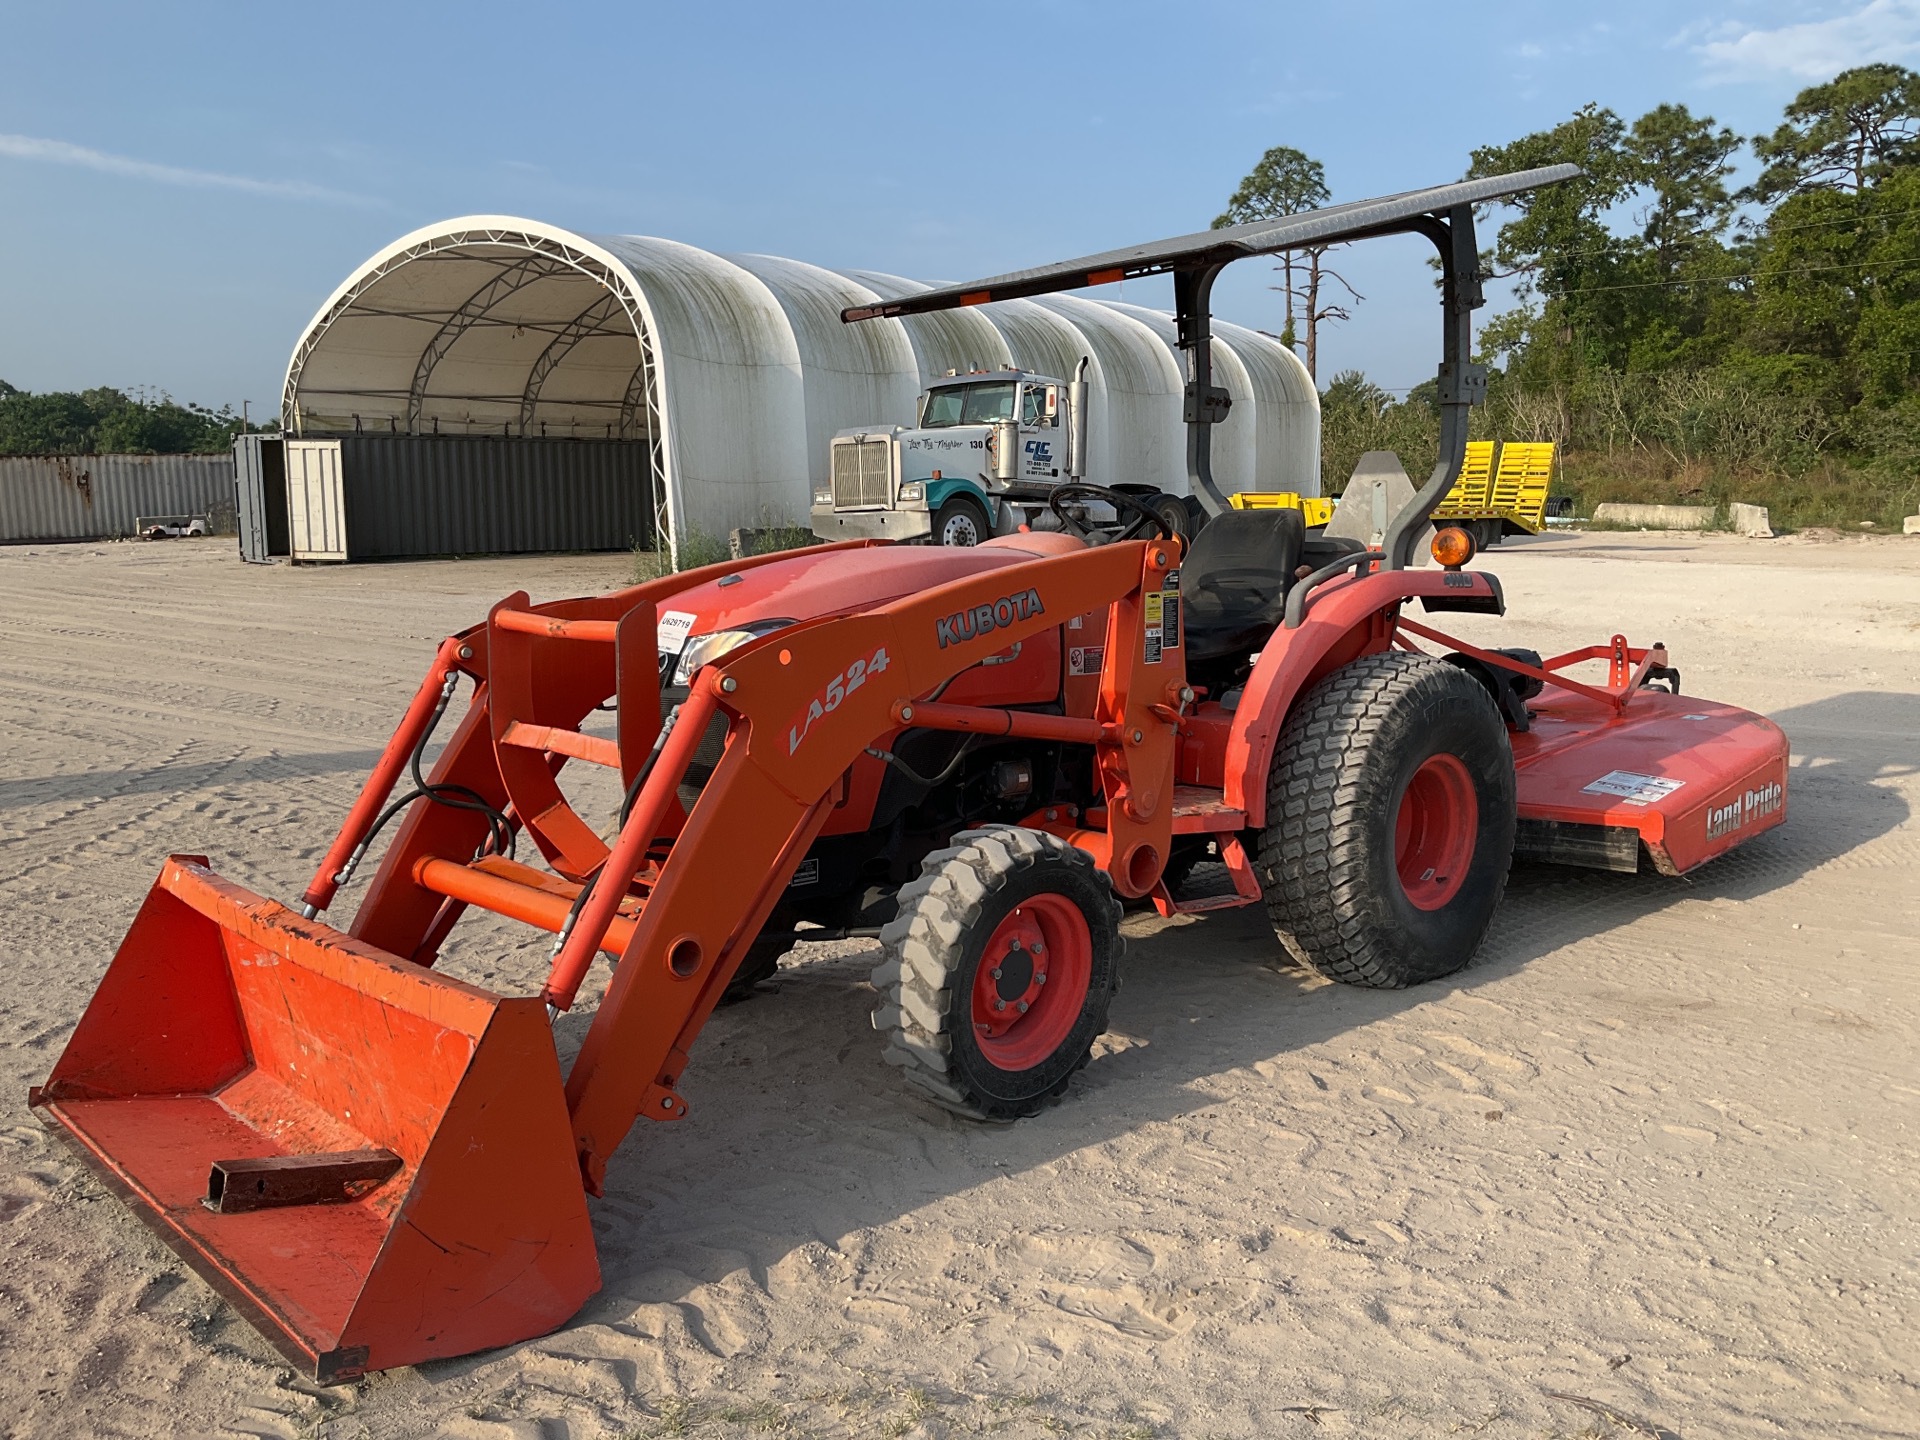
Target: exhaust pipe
x=1077 y=422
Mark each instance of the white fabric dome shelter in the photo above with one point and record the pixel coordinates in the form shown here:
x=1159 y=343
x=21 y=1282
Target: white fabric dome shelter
x=736 y=370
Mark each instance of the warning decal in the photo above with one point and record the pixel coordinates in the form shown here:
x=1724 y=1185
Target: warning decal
x=1633 y=788
x=1086 y=659
x=1157 y=603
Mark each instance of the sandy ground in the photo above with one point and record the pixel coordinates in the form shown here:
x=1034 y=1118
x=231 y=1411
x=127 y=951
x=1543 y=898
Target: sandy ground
x=1653 y=1150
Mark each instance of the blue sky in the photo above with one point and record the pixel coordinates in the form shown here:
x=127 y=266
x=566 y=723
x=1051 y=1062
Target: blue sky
x=181 y=185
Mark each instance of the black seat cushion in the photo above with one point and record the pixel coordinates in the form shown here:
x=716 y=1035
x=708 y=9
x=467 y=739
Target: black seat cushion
x=1323 y=549
x=1234 y=580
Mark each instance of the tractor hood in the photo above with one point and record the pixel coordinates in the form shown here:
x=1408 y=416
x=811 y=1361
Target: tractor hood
x=818 y=582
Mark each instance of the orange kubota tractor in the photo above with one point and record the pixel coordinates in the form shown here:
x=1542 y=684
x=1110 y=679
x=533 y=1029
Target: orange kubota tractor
x=996 y=747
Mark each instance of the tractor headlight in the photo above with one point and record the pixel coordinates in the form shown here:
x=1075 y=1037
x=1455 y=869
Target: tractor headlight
x=823 y=496
x=914 y=490
x=705 y=649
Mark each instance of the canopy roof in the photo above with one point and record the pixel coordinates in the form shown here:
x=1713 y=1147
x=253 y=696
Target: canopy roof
x=1355 y=220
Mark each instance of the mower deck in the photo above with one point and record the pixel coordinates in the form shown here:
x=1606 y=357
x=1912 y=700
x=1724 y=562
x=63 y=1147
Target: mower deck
x=1686 y=777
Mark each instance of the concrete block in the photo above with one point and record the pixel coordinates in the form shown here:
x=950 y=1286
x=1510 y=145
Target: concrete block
x=1656 y=517
x=1378 y=490
x=1750 y=520
x=1910 y=525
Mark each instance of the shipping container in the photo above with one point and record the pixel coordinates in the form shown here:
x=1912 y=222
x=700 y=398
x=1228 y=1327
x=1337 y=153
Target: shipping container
x=388 y=497
x=100 y=497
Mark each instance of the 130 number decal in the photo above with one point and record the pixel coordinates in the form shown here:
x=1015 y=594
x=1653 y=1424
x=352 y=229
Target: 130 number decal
x=834 y=695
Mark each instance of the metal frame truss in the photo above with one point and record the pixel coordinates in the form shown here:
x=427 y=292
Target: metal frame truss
x=545 y=257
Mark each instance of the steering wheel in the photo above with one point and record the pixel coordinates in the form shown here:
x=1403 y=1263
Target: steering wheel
x=1119 y=499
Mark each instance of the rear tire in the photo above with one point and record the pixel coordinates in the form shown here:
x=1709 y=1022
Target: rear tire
x=999 y=970
x=1390 y=822
x=961 y=522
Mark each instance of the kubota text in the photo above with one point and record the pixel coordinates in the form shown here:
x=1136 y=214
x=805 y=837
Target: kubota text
x=985 y=619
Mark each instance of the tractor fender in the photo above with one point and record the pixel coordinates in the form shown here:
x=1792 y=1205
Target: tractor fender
x=1347 y=619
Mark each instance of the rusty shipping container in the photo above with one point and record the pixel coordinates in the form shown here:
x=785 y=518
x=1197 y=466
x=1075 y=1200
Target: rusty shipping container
x=99 y=497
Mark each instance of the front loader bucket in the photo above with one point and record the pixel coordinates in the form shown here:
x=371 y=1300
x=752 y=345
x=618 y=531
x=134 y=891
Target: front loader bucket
x=372 y=1161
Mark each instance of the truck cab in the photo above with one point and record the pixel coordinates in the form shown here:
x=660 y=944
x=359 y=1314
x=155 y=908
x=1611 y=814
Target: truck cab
x=987 y=448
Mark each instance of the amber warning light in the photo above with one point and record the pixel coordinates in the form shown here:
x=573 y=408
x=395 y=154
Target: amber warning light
x=1452 y=547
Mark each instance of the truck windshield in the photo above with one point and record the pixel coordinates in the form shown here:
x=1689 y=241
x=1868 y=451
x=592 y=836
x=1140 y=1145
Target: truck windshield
x=968 y=405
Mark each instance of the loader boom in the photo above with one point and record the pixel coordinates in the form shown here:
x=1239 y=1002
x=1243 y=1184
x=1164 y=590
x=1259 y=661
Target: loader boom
x=789 y=744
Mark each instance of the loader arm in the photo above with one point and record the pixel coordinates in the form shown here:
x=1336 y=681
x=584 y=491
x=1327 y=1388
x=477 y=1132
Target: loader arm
x=802 y=705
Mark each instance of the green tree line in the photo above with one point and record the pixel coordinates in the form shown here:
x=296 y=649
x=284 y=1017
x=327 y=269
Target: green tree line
x=1684 y=336
x=108 y=422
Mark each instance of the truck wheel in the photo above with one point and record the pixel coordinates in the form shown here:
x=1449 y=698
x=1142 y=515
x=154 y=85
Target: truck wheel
x=999 y=969
x=1173 y=513
x=1197 y=517
x=1390 y=822
x=960 y=521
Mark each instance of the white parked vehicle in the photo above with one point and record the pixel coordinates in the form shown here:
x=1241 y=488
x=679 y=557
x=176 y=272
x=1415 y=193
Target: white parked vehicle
x=988 y=452
x=170 y=527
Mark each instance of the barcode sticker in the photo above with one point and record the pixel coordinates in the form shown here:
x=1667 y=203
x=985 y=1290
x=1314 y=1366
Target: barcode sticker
x=671 y=630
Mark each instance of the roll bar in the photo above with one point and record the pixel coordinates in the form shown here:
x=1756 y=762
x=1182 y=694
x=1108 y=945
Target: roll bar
x=1442 y=213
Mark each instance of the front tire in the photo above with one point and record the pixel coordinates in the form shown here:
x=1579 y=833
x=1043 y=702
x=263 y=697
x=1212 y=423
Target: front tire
x=999 y=969
x=1390 y=822
x=960 y=522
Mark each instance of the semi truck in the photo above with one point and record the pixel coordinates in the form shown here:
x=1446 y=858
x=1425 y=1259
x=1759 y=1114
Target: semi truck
x=988 y=451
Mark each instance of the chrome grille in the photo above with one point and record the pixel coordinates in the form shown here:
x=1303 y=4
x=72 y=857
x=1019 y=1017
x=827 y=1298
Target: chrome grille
x=862 y=473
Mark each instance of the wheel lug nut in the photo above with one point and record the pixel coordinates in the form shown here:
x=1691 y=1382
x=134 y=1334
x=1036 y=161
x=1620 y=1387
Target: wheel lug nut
x=999 y=1004
x=1041 y=978
x=996 y=972
x=1038 y=948
x=1023 y=1007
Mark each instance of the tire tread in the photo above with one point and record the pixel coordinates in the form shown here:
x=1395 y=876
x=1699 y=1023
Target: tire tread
x=1318 y=888
x=924 y=946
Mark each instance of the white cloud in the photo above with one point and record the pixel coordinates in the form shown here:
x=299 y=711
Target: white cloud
x=1882 y=30
x=61 y=152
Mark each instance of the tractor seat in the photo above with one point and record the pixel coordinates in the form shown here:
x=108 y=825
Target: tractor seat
x=1234 y=580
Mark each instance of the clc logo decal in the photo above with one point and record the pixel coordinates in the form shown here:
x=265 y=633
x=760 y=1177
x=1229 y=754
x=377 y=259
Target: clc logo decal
x=985 y=619
x=1039 y=452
